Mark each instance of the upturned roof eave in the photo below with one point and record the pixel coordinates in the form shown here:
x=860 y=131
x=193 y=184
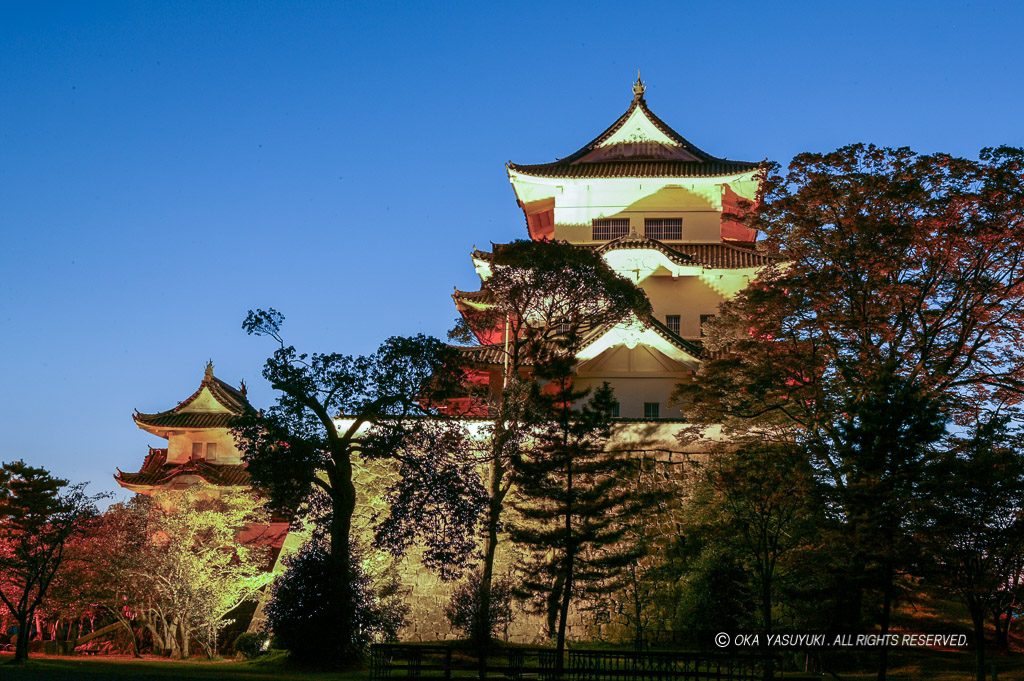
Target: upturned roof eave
x=615 y=170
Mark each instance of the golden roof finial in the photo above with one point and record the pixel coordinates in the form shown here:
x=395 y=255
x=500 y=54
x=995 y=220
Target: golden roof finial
x=209 y=370
x=639 y=88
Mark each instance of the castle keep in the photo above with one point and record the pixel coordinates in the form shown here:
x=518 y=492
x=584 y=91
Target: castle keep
x=657 y=209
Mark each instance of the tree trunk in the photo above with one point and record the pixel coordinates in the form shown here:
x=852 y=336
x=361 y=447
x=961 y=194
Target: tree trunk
x=978 y=618
x=21 y=647
x=185 y=640
x=481 y=631
x=766 y=616
x=883 y=653
x=344 y=505
x=158 y=640
x=173 y=637
x=563 y=617
x=481 y=626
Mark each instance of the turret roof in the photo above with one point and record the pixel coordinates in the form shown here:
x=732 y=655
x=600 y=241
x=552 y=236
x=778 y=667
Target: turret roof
x=156 y=472
x=638 y=144
x=231 y=401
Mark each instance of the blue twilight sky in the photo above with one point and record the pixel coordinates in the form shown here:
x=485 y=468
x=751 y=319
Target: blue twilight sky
x=166 y=166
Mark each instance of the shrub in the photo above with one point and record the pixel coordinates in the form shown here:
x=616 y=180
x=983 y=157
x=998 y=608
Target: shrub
x=250 y=644
x=305 y=602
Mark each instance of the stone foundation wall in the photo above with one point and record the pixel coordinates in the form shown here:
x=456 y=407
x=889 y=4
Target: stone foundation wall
x=665 y=466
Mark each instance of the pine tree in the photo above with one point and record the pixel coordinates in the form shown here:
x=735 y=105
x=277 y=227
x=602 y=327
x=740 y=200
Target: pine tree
x=573 y=499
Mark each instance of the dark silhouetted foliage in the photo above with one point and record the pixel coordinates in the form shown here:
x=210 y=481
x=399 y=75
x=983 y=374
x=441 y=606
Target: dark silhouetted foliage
x=333 y=408
x=972 y=526
x=466 y=614
x=897 y=305
x=250 y=644
x=302 y=613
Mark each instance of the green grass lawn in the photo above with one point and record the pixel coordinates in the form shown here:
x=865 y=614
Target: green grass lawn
x=934 y=665
x=45 y=668
x=920 y=614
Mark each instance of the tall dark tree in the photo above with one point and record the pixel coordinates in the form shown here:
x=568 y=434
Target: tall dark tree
x=304 y=600
x=38 y=515
x=756 y=500
x=573 y=499
x=972 y=526
x=333 y=408
x=545 y=295
x=898 y=306
x=755 y=505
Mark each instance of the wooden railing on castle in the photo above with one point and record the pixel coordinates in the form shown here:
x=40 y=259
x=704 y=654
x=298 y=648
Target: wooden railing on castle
x=433 y=661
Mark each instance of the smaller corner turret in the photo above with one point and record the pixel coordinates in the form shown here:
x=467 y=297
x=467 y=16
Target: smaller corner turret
x=200 y=448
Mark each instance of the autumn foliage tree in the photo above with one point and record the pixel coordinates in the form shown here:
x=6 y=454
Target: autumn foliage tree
x=175 y=564
x=896 y=307
x=38 y=515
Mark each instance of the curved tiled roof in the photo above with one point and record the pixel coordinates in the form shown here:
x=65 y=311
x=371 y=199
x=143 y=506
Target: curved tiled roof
x=220 y=476
x=636 y=159
x=634 y=241
x=635 y=168
x=480 y=298
x=694 y=349
x=723 y=256
x=715 y=255
x=494 y=355
x=187 y=419
x=232 y=399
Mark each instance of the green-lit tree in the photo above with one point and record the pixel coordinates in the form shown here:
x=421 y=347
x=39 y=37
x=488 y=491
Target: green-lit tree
x=38 y=515
x=175 y=564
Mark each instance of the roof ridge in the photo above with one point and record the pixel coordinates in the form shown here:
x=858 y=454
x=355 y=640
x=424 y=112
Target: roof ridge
x=639 y=102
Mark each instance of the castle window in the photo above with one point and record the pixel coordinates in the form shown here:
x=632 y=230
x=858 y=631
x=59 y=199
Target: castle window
x=211 y=451
x=672 y=322
x=704 y=319
x=663 y=228
x=652 y=410
x=605 y=230
x=197 y=450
